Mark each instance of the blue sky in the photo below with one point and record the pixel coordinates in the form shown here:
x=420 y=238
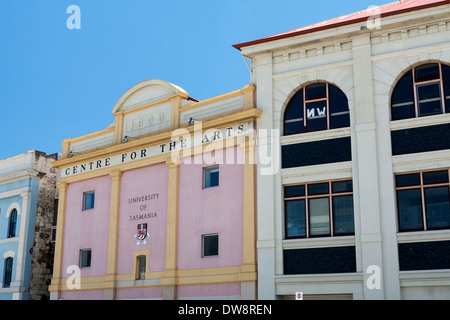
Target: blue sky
x=57 y=83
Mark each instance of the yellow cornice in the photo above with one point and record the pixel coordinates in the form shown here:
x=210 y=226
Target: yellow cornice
x=240 y=92
x=222 y=122
x=92 y=135
x=152 y=104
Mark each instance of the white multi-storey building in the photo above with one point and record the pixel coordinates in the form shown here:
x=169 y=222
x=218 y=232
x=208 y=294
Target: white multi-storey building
x=359 y=207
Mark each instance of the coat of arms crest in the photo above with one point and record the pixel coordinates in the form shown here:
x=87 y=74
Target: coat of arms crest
x=142 y=234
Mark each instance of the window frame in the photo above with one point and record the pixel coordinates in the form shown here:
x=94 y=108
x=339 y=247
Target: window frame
x=415 y=90
x=82 y=251
x=12 y=224
x=85 y=194
x=204 y=236
x=421 y=187
x=8 y=271
x=305 y=102
x=141 y=267
x=207 y=170
x=330 y=195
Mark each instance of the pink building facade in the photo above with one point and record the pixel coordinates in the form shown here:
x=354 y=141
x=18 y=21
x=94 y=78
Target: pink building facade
x=161 y=204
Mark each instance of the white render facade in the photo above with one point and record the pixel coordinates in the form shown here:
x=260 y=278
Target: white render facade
x=365 y=63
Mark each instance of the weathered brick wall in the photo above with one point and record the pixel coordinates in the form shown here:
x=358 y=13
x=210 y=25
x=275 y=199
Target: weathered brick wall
x=43 y=250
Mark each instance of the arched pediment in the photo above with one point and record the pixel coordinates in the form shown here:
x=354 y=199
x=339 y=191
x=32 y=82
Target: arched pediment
x=147 y=92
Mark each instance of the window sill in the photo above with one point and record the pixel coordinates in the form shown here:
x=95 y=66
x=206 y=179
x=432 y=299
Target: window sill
x=9 y=240
x=337 y=241
x=315 y=136
x=418 y=236
x=420 y=121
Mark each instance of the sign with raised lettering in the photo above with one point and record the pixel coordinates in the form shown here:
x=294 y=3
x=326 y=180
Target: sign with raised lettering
x=180 y=141
x=141 y=201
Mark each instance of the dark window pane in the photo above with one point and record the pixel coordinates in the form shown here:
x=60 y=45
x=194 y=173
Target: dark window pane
x=316 y=116
x=85 y=258
x=446 y=83
x=402 y=101
x=429 y=99
x=338 y=104
x=142 y=261
x=435 y=177
x=343 y=215
x=294 y=191
x=406 y=180
x=316 y=91
x=12 y=224
x=210 y=245
x=319 y=217
x=340 y=120
x=294 y=109
x=427 y=72
x=293 y=126
x=88 y=201
x=293 y=116
x=437 y=207
x=338 y=100
x=8 y=272
x=318 y=188
x=342 y=186
x=410 y=210
x=295 y=219
x=210 y=177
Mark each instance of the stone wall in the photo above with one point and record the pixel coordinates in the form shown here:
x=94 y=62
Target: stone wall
x=43 y=250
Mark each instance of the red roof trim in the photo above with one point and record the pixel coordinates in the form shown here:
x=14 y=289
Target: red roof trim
x=364 y=16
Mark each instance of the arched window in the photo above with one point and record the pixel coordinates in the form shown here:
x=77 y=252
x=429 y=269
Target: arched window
x=318 y=106
x=7 y=274
x=422 y=91
x=12 y=224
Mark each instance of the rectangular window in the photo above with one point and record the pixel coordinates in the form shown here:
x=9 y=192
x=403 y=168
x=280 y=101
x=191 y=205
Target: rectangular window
x=423 y=200
x=343 y=215
x=141 y=265
x=319 y=209
x=319 y=217
x=295 y=218
x=210 y=245
x=88 y=200
x=429 y=99
x=210 y=177
x=85 y=258
x=8 y=272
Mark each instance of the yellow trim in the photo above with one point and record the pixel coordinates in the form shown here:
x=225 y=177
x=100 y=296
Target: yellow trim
x=244 y=116
x=123 y=167
x=153 y=104
x=111 y=267
x=118 y=133
x=222 y=144
x=148 y=276
x=248 y=99
x=93 y=135
x=172 y=225
x=57 y=264
x=221 y=275
x=137 y=254
x=175 y=112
